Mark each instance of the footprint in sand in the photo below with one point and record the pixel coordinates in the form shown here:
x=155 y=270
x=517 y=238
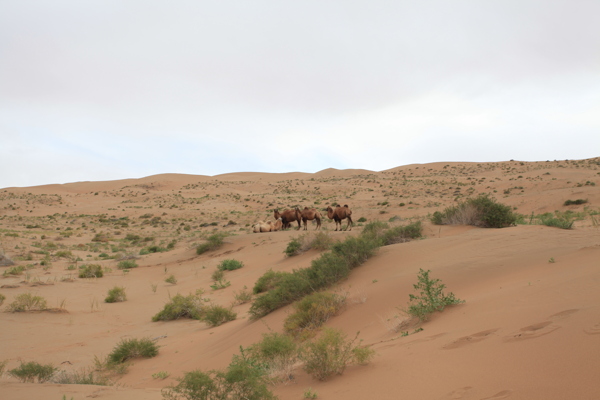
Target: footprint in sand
x=563 y=314
x=474 y=338
x=500 y=395
x=458 y=393
x=533 y=331
x=594 y=330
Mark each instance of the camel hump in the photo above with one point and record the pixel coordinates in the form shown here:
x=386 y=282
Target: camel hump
x=346 y=205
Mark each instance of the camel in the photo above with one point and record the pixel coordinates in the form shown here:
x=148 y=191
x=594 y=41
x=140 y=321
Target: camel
x=339 y=214
x=308 y=214
x=269 y=226
x=288 y=216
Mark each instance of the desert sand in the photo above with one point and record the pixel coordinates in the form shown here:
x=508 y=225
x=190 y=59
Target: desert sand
x=529 y=327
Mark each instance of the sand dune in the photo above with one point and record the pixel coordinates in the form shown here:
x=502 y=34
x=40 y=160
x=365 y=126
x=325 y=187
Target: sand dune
x=529 y=327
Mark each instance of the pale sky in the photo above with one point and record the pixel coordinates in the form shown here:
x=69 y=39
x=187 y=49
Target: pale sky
x=104 y=90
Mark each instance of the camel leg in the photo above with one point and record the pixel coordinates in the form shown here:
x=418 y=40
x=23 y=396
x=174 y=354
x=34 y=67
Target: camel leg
x=350 y=223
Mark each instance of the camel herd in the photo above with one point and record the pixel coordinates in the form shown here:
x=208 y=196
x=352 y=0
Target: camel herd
x=284 y=219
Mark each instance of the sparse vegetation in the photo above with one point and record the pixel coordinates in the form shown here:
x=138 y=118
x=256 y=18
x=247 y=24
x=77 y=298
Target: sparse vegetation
x=132 y=348
x=331 y=353
x=312 y=312
x=430 y=297
x=215 y=315
x=171 y=279
x=116 y=294
x=229 y=265
x=213 y=242
x=278 y=353
x=81 y=377
x=575 y=202
x=27 y=302
x=181 y=307
x=91 y=271
x=127 y=264
x=32 y=371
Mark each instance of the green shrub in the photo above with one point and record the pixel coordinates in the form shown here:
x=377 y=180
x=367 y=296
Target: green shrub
x=575 y=202
x=63 y=254
x=278 y=352
x=312 y=312
x=132 y=348
x=242 y=297
x=268 y=281
x=293 y=247
x=331 y=353
x=230 y=265
x=171 y=279
x=215 y=315
x=153 y=249
x=430 y=298
x=563 y=221
x=116 y=294
x=29 y=372
x=356 y=250
x=27 y=302
x=400 y=234
x=362 y=219
x=213 y=242
x=91 y=271
x=480 y=211
x=290 y=288
x=127 y=264
x=181 y=307
x=18 y=270
x=2 y=298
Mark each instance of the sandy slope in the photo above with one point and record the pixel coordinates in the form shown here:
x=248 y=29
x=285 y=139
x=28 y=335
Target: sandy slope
x=530 y=328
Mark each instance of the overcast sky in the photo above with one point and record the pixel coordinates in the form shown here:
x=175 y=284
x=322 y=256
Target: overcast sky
x=103 y=90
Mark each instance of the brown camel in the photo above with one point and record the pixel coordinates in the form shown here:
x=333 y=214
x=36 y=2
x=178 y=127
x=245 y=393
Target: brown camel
x=308 y=214
x=339 y=214
x=288 y=216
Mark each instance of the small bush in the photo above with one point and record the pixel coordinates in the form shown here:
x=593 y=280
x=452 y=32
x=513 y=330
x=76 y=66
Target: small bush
x=27 y=302
x=116 y=294
x=480 y=211
x=171 y=279
x=18 y=270
x=293 y=247
x=2 y=298
x=562 y=222
x=181 y=307
x=213 y=242
x=91 y=271
x=312 y=312
x=29 y=372
x=331 y=353
x=268 y=281
x=230 y=265
x=278 y=352
x=127 y=264
x=242 y=297
x=215 y=315
x=575 y=202
x=430 y=298
x=132 y=348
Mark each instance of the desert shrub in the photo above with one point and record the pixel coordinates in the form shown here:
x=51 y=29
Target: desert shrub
x=132 y=348
x=2 y=298
x=215 y=315
x=430 y=298
x=18 y=270
x=153 y=249
x=362 y=219
x=213 y=242
x=559 y=221
x=102 y=237
x=278 y=352
x=320 y=241
x=400 y=234
x=293 y=247
x=91 y=271
x=268 y=281
x=326 y=270
x=356 y=250
x=81 y=377
x=181 y=307
x=242 y=297
x=127 y=264
x=63 y=254
x=575 y=202
x=290 y=288
x=171 y=279
x=331 y=353
x=2 y=367
x=29 y=372
x=480 y=211
x=27 y=302
x=312 y=312
x=229 y=265
x=375 y=228
x=116 y=294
